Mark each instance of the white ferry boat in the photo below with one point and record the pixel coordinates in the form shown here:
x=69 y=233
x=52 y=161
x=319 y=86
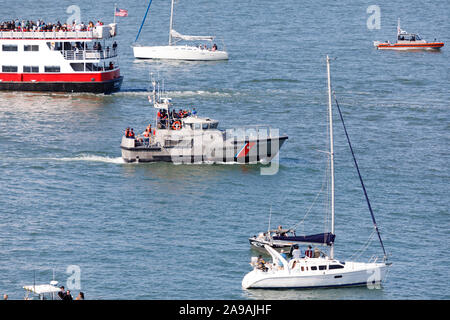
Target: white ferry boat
x=60 y=61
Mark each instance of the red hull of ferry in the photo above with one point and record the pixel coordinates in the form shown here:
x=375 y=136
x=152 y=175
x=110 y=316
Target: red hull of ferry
x=95 y=82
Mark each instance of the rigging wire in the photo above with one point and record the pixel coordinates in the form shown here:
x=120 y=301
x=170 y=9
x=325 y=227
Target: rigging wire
x=360 y=178
x=324 y=183
x=359 y=252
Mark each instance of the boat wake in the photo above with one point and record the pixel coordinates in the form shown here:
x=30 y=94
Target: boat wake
x=203 y=93
x=176 y=93
x=90 y=158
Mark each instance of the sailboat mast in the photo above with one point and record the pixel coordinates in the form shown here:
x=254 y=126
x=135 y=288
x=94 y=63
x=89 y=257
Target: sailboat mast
x=171 y=24
x=330 y=120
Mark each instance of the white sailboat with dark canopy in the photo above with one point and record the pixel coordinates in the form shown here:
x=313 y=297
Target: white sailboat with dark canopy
x=174 y=51
x=321 y=270
x=287 y=240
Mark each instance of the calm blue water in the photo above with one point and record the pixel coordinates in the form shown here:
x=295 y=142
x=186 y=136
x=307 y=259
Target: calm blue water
x=160 y=231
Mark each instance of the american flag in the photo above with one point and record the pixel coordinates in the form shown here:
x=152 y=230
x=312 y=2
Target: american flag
x=121 y=12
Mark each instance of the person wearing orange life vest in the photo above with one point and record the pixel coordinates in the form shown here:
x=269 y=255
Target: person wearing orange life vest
x=148 y=131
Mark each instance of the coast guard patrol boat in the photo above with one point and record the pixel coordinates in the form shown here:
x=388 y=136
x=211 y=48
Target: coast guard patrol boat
x=408 y=41
x=185 y=137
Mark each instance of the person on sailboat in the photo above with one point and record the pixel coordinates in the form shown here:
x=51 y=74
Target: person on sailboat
x=284 y=255
x=296 y=253
x=261 y=264
x=309 y=252
x=316 y=253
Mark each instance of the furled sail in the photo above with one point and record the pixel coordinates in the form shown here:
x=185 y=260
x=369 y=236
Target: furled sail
x=190 y=38
x=321 y=238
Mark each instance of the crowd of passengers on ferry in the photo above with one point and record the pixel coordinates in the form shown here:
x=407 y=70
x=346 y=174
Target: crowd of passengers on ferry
x=40 y=25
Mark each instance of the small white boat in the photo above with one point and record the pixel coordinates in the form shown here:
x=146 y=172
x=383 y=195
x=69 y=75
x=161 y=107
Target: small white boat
x=173 y=51
x=320 y=270
x=42 y=291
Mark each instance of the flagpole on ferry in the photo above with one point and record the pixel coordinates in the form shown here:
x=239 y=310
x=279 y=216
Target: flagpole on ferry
x=115 y=8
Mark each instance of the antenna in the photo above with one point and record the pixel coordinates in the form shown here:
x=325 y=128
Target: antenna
x=270 y=216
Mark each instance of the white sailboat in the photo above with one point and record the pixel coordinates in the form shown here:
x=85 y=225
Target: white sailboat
x=323 y=270
x=174 y=51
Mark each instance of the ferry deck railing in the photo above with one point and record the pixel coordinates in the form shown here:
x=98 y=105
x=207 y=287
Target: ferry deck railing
x=49 y=35
x=99 y=32
x=89 y=54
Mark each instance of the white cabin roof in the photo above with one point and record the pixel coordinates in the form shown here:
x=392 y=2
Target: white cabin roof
x=42 y=288
x=198 y=120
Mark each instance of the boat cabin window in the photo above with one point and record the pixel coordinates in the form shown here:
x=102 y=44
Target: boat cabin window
x=171 y=143
x=77 y=66
x=322 y=267
x=93 y=67
x=9 y=47
x=9 y=68
x=408 y=37
x=335 y=266
x=52 y=69
x=31 y=47
x=313 y=268
x=30 y=69
x=55 y=45
x=202 y=126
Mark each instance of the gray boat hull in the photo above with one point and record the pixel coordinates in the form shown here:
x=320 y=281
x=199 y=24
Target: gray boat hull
x=259 y=150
